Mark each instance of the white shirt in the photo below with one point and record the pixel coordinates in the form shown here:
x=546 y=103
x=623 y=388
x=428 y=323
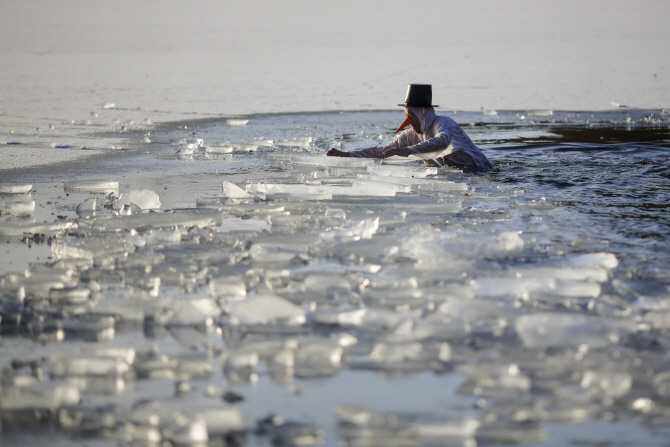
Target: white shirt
x=440 y=137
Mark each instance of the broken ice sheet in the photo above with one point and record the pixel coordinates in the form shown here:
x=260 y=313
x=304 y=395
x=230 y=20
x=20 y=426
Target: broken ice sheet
x=186 y=218
x=318 y=359
x=331 y=161
x=22 y=207
x=553 y=329
x=19 y=228
x=295 y=142
x=231 y=190
x=102 y=186
x=302 y=189
x=15 y=188
x=264 y=309
x=433 y=247
x=494 y=380
x=534 y=287
x=363 y=426
x=185 y=422
x=402 y=171
x=232 y=224
x=145 y=199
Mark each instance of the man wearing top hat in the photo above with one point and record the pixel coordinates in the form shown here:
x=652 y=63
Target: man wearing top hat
x=432 y=138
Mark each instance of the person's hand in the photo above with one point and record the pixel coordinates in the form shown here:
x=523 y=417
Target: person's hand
x=402 y=151
x=332 y=152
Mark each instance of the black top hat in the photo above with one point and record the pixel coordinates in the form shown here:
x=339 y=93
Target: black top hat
x=419 y=95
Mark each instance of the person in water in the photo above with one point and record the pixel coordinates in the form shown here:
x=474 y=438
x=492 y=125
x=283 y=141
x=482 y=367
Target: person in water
x=436 y=139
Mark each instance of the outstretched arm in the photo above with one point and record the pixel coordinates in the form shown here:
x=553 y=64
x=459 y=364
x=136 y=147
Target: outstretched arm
x=399 y=146
x=336 y=153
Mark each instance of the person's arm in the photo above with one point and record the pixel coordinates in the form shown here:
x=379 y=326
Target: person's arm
x=398 y=144
x=439 y=143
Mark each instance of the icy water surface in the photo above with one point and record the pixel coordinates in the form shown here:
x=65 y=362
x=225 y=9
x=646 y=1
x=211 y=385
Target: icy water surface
x=225 y=283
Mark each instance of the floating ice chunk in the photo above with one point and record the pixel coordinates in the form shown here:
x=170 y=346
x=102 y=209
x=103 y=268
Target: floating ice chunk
x=92 y=186
x=336 y=213
x=449 y=246
x=510 y=432
x=247 y=225
x=223 y=421
x=391 y=353
x=236 y=122
x=69 y=295
x=264 y=309
x=146 y=140
x=291 y=433
x=90 y=326
x=442 y=186
x=339 y=317
x=138 y=434
x=195 y=312
x=19 y=207
x=296 y=142
x=232 y=191
x=402 y=171
x=275 y=253
x=489 y=380
x=584 y=289
x=499 y=287
x=596 y=274
x=363 y=426
x=604 y=260
x=373 y=185
x=301 y=189
x=108 y=105
x=302 y=197
x=318 y=359
x=382 y=320
x=88 y=205
x=21 y=228
x=609 y=384
x=541 y=112
x=186 y=149
x=15 y=188
x=162 y=236
x=552 y=329
x=228 y=287
x=340 y=162
x=145 y=199
x=125 y=354
x=364 y=229
x=188 y=218
x=229 y=148
x=12 y=293
x=326 y=284
x=40 y=396
x=184 y=429
x=215 y=149
x=85 y=366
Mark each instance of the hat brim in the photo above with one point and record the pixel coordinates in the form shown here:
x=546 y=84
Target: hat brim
x=405 y=105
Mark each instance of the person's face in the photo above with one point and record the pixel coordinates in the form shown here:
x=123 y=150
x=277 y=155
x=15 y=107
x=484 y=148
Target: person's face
x=416 y=124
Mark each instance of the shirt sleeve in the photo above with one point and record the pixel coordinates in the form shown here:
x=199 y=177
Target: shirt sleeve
x=405 y=139
x=438 y=143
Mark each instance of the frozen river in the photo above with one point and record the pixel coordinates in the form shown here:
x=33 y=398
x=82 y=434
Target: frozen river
x=210 y=274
